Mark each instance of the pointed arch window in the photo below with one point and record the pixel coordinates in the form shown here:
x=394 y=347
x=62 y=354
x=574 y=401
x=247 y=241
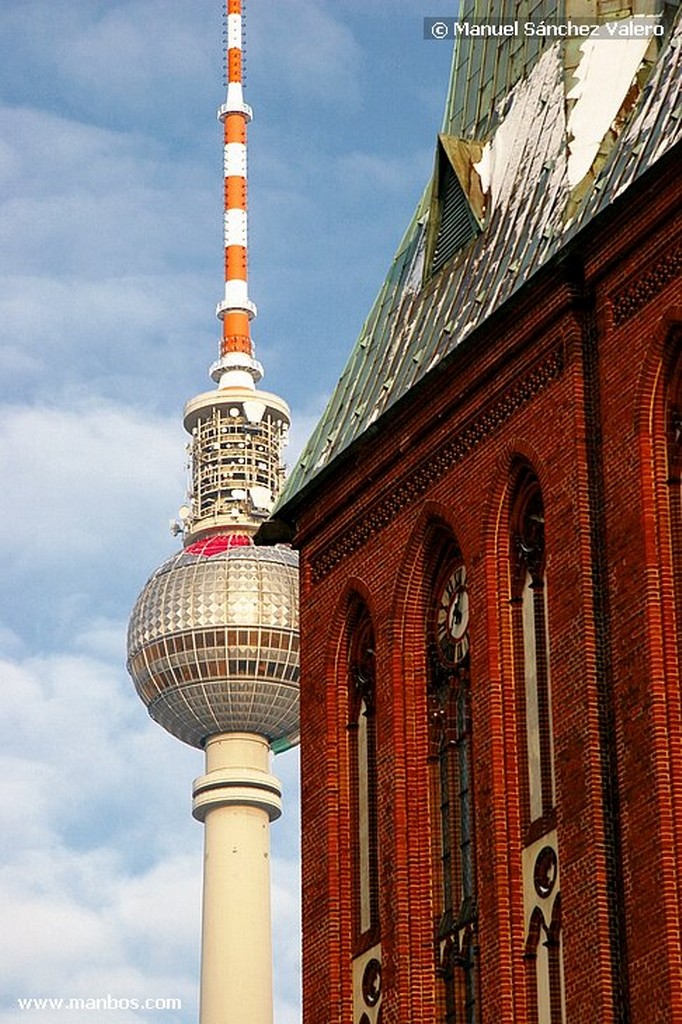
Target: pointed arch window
x=529 y=603
x=540 y=853
x=543 y=944
x=363 y=780
x=452 y=794
x=674 y=434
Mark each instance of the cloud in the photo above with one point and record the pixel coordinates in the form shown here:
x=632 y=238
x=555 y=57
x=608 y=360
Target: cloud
x=401 y=174
x=75 y=723
x=304 y=421
x=11 y=643
x=72 y=155
x=138 y=939
x=88 y=495
x=100 y=881
x=82 y=197
x=108 y=60
x=101 y=638
x=120 y=49
x=95 y=287
x=100 y=870
x=81 y=476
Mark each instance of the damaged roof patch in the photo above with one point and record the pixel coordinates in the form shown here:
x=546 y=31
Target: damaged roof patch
x=604 y=76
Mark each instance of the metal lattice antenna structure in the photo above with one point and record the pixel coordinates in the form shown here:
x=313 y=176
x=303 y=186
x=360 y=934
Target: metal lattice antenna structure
x=213 y=638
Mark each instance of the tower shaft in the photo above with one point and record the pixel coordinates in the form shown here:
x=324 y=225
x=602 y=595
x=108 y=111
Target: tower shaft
x=236 y=799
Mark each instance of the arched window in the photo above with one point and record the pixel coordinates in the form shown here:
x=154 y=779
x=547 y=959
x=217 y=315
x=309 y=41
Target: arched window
x=452 y=791
x=362 y=734
x=674 y=453
x=529 y=606
x=543 y=944
x=540 y=851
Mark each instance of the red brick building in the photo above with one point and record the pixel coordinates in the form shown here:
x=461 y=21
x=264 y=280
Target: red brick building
x=490 y=527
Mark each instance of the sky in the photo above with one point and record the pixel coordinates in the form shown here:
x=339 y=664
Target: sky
x=110 y=270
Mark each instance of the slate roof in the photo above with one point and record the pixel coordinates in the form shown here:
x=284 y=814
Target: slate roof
x=521 y=101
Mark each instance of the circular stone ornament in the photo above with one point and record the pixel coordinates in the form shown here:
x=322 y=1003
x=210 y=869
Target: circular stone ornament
x=545 y=872
x=371 y=982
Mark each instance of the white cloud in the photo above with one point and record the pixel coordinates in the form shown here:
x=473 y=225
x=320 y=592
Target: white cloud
x=90 y=223
x=80 y=478
x=102 y=638
x=111 y=57
x=101 y=862
x=92 y=199
x=73 y=722
x=64 y=943
x=304 y=421
x=11 y=644
x=71 y=155
x=125 y=337
x=124 y=47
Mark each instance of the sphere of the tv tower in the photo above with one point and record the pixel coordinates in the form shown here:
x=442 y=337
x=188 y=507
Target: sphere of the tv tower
x=213 y=642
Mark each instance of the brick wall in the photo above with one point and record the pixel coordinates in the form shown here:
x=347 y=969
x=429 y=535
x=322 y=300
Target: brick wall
x=570 y=379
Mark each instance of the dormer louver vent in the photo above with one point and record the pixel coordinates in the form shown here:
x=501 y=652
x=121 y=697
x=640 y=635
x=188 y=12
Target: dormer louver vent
x=457 y=201
x=457 y=223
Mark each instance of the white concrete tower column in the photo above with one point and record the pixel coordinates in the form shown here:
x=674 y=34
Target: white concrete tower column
x=236 y=799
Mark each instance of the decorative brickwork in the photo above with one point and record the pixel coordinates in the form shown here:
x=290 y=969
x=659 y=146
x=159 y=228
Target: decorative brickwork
x=633 y=298
x=452 y=452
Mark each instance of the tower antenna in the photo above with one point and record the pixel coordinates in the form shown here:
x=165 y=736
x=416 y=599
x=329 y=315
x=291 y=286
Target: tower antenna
x=236 y=310
x=238 y=432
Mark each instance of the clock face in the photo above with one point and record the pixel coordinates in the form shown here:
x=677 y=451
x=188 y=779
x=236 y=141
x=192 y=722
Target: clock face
x=452 y=617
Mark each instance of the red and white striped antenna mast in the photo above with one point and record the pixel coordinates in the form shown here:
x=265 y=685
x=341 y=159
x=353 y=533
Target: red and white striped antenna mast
x=236 y=310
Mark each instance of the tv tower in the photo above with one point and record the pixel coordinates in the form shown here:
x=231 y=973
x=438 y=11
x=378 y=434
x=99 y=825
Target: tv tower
x=213 y=637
